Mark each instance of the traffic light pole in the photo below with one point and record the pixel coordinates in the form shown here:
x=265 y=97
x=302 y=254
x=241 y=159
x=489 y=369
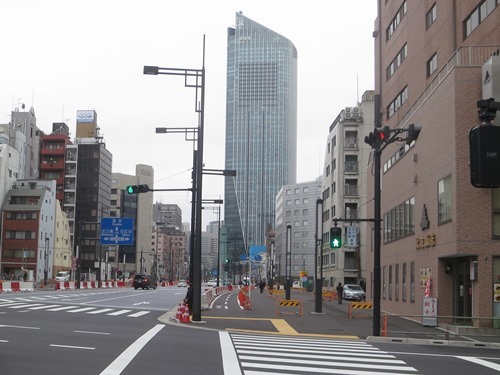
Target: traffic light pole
x=378 y=140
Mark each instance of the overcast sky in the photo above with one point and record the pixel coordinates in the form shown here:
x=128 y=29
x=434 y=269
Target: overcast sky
x=60 y=56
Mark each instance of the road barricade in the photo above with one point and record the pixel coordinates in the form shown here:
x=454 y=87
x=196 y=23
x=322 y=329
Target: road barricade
x=329 y=295
x=359 y=306
x=276 y=292
x=244 y=298
x=6 y=286
x=288 y=307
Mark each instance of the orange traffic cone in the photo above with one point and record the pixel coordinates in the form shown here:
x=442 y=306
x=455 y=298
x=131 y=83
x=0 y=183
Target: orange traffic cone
x=185 y=316
x=180 y=311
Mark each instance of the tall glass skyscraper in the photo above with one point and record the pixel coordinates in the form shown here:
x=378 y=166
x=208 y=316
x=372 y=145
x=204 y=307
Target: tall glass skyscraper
x=261 y=130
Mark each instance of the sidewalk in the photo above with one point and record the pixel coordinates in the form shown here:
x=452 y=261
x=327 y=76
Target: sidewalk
x=333 y=321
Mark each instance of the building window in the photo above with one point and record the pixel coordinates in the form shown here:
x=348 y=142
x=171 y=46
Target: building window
x=399 y=222
x=396 y=21
x=390 y=282
x=444 y=200
x=396 y=63
x=430 y=17
x=412 y=282
x=478 y=15
x=432 y=65
x=383 y=283
x=403 y=292
x=400 y=99
x=396 y=283
x=496 y=212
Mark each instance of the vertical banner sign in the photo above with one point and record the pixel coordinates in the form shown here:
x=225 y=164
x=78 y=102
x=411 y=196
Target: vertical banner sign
x=352 y=236
x=429 y=312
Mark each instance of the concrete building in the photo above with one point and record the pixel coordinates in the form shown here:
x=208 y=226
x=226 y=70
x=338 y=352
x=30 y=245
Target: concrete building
x=87 y=182
x=28 y=223
x=434 y=61
x=344 y=193
x=261 y=127
x=296 y=207
x=24 y=136
x=169 y=215
x=138 y=257
x=52 y=157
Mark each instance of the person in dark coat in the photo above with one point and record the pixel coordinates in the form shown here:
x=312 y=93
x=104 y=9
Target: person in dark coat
x=189 y=296
x=339 y=289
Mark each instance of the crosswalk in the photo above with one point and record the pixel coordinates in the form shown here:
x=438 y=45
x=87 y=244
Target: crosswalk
x=74 y=309
x=269 y=355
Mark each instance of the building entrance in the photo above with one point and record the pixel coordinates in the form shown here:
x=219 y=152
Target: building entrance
x=462 y=291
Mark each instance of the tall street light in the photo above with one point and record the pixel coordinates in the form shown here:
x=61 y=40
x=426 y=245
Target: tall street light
x=198 y=75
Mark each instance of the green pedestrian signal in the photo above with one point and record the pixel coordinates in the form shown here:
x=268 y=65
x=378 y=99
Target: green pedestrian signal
x=335 y=237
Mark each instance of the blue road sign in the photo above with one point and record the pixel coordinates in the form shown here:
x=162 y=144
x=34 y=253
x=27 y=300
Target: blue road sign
x=117 y=231
x=243 y=257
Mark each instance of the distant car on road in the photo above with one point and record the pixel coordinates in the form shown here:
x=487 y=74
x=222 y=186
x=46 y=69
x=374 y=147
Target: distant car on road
x=63 y=276
x=353 y=292
x=212 y=283
x=144 y=281
x=296 y=285
x=182 y=284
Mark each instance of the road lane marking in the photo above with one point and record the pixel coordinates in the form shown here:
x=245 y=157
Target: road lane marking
x=93 y=333
x=283 y=327
x=481 y=362
x=137 y=314
x=119 y=312
x=121 y=362
x=42 y=307
x=230 y=361
x=81 y=309
x=21 y=327
x=99 y=311
x=63 y=308
x=24 y=305
x=72 y=347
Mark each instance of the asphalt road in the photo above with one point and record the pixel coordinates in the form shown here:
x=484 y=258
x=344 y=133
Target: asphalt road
x=124 y=331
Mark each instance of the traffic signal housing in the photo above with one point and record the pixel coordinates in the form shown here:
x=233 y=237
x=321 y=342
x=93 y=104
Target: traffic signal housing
x=136 y=189
x=335 y=237
x=378 y=136
x=484 y=153
x=413 y=132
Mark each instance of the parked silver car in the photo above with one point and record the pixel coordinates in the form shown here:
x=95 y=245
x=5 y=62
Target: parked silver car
x=354 y=292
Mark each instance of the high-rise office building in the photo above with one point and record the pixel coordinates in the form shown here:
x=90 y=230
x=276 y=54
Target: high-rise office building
x=261 y=129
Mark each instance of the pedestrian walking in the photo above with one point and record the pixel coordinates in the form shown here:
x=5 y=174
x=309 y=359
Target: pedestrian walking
x=339 y=293
x=189 y=295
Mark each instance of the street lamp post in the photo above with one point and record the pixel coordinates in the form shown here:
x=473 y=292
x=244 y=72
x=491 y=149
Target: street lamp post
x=199 y=85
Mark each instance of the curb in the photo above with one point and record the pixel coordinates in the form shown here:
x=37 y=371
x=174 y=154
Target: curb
x=454 y=343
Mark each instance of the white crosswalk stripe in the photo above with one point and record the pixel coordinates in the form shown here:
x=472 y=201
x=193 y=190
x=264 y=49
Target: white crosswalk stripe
x=261 y=354
x=72 y=309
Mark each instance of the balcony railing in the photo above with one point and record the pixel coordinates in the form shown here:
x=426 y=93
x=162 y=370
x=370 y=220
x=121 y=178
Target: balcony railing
x=351 y=166
x=351 y=191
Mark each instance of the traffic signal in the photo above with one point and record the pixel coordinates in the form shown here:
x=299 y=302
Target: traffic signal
x=378 y=136
x=484 y=144
x=136 y=189
x=413 y=132
x=335 y=237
